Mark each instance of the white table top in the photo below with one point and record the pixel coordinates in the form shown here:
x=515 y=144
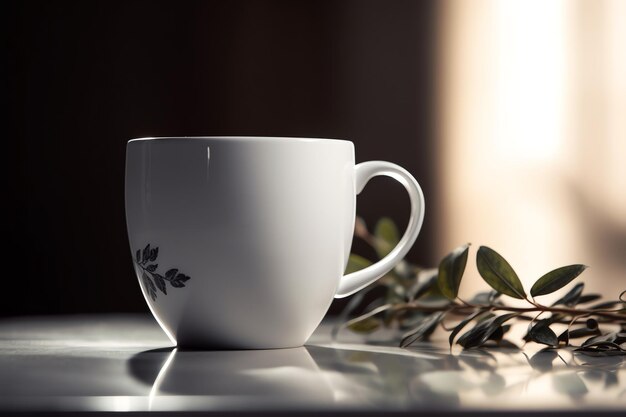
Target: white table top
x=125 y=363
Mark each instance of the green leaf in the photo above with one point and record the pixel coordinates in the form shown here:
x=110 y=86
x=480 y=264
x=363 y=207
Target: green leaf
x=572 y=297
x=387 y=236
x=600 y=352
x=461 y=325
x=613 y=337
x=604 y=345
x=423 y=285
x=368 y=325
x=482 y=331
x=566 y=336
x=422 y=330
x=556 y=279
x=606 y=305
x=499 y=333
x=451 y=271
x=587 y=298
x=542 y=333
x=497 y=272
x=356 y=263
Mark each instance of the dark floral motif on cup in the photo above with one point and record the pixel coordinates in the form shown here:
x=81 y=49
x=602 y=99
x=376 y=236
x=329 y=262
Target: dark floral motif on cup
x=151 y=278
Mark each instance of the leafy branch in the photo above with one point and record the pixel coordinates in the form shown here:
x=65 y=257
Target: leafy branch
x=416 y=301
x=151 y=278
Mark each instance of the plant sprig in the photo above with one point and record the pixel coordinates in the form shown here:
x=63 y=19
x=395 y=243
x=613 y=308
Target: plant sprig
x=416 y=301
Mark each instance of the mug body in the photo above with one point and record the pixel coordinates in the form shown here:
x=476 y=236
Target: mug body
x=239 y=242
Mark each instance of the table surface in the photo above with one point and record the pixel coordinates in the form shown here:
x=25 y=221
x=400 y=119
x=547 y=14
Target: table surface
x=125 y=363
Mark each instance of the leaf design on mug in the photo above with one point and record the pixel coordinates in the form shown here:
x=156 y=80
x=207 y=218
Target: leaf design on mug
x=146 y=254
x=160 y=283
x=169 y=275
x=150 y=288
x=152 y=280
x=179 y=281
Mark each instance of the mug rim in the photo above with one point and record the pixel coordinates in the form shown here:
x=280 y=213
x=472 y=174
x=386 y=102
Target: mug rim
x=239 y=138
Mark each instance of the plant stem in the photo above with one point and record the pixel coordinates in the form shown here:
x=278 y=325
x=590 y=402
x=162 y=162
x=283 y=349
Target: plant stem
x=145 y=270
x=463 y=310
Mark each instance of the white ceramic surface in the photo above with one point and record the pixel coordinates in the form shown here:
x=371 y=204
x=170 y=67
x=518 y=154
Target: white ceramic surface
x=253 y=234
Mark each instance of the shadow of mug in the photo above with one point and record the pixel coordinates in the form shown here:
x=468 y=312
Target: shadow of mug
x=244 y=379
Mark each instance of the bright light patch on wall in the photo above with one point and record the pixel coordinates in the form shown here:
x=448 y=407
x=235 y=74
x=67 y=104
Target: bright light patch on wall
x=530 y=77
x=532 y=125
x=615 y=175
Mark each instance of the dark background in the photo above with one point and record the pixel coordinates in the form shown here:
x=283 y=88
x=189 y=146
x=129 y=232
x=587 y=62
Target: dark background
x=84 y=77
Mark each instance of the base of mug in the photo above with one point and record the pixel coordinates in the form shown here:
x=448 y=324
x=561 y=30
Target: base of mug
x=196 y=348
x=199 y=344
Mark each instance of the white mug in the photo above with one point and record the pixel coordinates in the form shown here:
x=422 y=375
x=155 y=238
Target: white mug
x=241 y=242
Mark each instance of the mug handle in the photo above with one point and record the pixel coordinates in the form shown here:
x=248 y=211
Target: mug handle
x=365 y=171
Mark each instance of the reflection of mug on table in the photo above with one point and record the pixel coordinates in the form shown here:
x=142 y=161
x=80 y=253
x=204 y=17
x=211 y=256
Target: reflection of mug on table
x=232 y=379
